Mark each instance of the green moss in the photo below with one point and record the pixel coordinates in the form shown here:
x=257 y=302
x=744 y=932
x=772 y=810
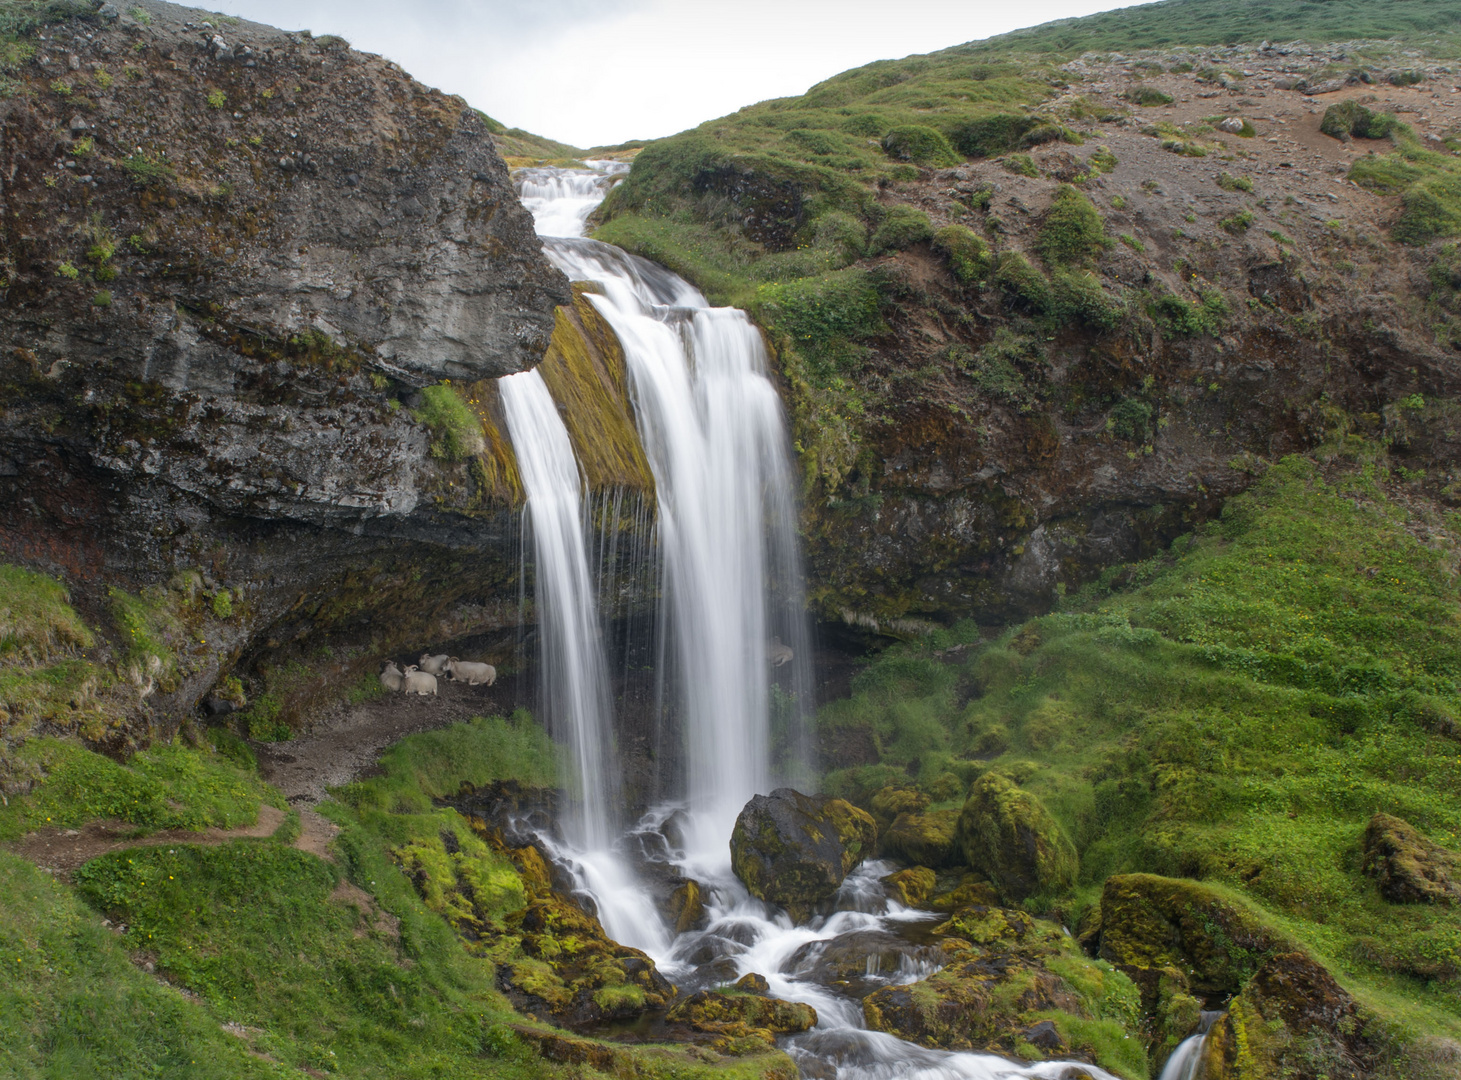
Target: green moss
x=993 y=135
x=1008 y=835
x=1148 y=96
x=1021 y=165
x=1350 y=119
x=1228 y=182
x=147 y=171
x=1188 y=318
x=1238 y=223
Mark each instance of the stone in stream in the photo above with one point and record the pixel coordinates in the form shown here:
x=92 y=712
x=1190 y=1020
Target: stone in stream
x=924 y=839
x=1008 y=835
x=795 y=850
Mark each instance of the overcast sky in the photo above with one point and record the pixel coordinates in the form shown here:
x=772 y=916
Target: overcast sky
x=597 y=72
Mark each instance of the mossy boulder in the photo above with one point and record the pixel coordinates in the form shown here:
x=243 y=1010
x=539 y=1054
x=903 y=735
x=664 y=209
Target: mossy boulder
x=1350 y=119
x=1018 y=986
x=795 y=850
x=742 y=1022
x=1410 y=868
x=1151 y=923
x=913 y=886
x=1293 y=1020
x=888 y=803
x=1006 y=834
x=924 y=839
x=572 y=973
x=687 y=907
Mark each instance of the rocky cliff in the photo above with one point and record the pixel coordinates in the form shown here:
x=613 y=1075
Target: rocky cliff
x=1038 y=311
x=250 y=280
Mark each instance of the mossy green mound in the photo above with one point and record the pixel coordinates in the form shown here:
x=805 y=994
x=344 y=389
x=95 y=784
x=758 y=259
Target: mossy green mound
x=740 y=1021
x=924 y=839
x=1409 y=868
x=1008 y=835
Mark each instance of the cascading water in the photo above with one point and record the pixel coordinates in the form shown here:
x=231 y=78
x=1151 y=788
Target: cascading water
x=1186 y=1061
x=713 y=430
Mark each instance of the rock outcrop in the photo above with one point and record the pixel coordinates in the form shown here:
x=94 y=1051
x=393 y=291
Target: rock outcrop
x=1409 y=868
x=1006 y=834
x=795 y=850
x=239 y=268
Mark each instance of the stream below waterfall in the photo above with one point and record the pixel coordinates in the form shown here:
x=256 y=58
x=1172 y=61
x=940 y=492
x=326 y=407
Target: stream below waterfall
x=715 y=436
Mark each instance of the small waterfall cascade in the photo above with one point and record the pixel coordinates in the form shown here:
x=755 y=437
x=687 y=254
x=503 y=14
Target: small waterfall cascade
x=1186 y=1061
x=712 y=428
x=575 y=678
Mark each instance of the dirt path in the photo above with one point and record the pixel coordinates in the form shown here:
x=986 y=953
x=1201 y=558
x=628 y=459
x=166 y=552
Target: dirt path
x=60 y=851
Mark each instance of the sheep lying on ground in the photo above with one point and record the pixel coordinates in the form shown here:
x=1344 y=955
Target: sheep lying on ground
x=419 y=682
x=432 y=665
x=391 y=676
x=471 y=673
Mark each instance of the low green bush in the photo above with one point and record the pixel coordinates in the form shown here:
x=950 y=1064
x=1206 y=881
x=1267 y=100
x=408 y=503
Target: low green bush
x=902 y=227
x=456 y=430
x=919 y=144
x=1072 y=232
x=967 y=254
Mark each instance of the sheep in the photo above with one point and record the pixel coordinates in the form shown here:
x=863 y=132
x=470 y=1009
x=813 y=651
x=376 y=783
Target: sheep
x=419 y=682
x=432 y=665
x=391 y=677
x=470 y=673
x=778 y=653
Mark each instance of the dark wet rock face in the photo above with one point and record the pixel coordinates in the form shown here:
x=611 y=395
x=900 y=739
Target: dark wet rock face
x=228 y=272
x=795 y=850
x=1292 y=1020
x=1409 y=868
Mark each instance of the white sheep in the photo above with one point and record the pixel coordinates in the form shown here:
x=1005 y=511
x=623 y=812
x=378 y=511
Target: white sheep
x=433 y=665
x=419 y=682
x=391 y=677
x=470 y=673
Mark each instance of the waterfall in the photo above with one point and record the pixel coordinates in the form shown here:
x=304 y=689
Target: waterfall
x=712 y=427
x=575 y=682
x=1186 y=1062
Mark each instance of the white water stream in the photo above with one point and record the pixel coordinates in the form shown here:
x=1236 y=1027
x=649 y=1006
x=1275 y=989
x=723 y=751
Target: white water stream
x=713 y=429
x=1186 y=1062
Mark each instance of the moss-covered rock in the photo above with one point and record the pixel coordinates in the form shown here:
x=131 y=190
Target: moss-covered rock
x=569 y=971
x=1292 y=1020
x=912 y=886
x=794 y=850
x=1151 y=923
x=687 y=907
x=742 y=1022
x=924 y=839
x=1014 y=985
x=1008 y=835
x=1410 y=868
x=889 y=803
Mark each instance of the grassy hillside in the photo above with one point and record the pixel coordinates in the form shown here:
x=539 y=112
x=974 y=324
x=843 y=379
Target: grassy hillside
x=1433 y=24
x=1234 y=710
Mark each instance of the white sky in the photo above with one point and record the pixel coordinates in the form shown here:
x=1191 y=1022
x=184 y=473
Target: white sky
x=597 y=72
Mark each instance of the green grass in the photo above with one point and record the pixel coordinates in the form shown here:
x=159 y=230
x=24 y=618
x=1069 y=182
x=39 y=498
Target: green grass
x=1235 y=714
x=166 y=787
x=73 y=1005
x=456 y=431
x=1176 y=23
x=36 y=618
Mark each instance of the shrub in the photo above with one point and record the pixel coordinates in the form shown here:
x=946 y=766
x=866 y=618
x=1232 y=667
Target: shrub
x=1238 y=224
x=216 y=99
x=67 y=271
x=1432 y=209
x=102 y=299
x=456 y=429
x=1080 y=295
x=1103 y=161
x=1073 y=232
x=990 y=136
x=901 y=228
x=1351 y=119
x=967 y=254
x=1148 y=96
x=1021 y=165
x=1228 y=182
x=222 y=604
x=919 y=144
x=1188 y=318
x=1024 y=284
x=823 y=316
x=1130 y=420
x=145 y=170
